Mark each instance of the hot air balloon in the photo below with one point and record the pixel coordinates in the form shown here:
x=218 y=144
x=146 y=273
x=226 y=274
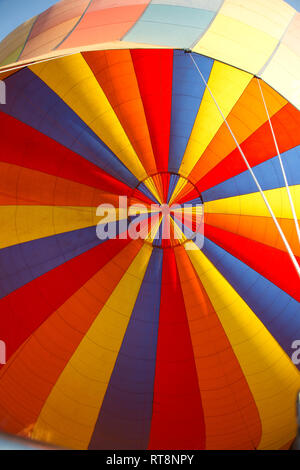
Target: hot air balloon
x=151 y=342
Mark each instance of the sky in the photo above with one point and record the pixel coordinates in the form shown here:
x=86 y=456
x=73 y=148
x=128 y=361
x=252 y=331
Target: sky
x=294 y=3
x=15 y=12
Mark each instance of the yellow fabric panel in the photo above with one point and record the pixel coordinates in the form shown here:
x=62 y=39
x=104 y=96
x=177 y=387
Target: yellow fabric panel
x=178 y=233
x=156 y=221
x=153 y=189
x=283 y=74
x=247 y=116
x=227 y=85
x=72 y=408
x=246 y=33
x=72 y=79
x=236 y=43
x=270 y=16
x=253 y=204
x=11 y=58
x=271 y=376
x=21 y=224
x=75 y=50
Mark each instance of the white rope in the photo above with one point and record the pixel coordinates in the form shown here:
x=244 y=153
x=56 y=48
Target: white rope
x=281 y=164
x=286 y=243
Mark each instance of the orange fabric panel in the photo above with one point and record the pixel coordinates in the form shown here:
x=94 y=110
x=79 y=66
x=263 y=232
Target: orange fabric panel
x=24 y=186
x=32 y=371
x=59 y=13
x=101 y=24
x=246 y=117
x=260 y=229
x=157 y=179
x=231 y=416
x=115 y=73
x=53 y=26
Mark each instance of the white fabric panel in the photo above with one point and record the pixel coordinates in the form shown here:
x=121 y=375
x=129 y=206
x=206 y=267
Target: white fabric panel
x=283 y=74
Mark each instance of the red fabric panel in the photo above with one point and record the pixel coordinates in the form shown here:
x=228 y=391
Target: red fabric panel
x=25 y=309
x=271 y=263
x=258 y=148
x=177 y=421
x=154 y=71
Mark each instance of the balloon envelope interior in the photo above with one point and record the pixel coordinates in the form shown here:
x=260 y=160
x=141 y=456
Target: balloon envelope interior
x=142 y=338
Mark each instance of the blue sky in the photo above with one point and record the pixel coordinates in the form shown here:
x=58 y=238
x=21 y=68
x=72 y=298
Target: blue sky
x=15 y=12
x=294 y=3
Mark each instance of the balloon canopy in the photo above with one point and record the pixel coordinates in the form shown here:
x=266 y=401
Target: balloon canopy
x=151 y=342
